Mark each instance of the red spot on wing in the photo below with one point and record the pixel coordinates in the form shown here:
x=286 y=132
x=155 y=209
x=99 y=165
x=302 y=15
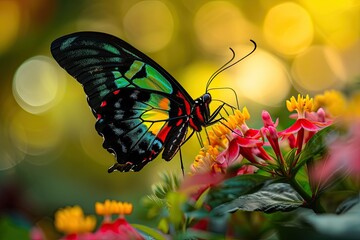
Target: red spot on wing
x=163 y=133
x=179 y=122
x=186 y=102
x=103 y=104
x=199 y=114
x=116 y=92
x=180 y=112
x=193 y=125
x=98 y=117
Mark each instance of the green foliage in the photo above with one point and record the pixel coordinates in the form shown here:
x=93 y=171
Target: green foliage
x=308 y=225
x=149 y=231
x=166 y=204
x=157 y=202
x=316 y=148
x=235 y=187
x=12 y=230
x=270 y=198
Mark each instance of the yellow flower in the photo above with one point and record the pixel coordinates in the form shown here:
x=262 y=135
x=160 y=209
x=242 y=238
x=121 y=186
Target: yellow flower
x=113 y=207
x=72 y=220
x=218 y=140
x=222 y=129
x=125 y=208
x=301 y=105
x=205 y=160
x=333 y=101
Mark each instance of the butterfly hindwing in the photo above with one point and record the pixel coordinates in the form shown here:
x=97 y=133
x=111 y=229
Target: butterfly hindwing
x=131 y=122
x=140 y=108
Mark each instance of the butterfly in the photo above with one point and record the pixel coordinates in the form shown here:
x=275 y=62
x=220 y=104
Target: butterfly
x=141 y=110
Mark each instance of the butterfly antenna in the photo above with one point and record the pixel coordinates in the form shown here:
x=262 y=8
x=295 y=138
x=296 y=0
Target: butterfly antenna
x=232 y=90
x=228 y=64
x=217 y=72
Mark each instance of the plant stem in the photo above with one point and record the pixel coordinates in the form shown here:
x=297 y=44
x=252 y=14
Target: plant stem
x=310 y=202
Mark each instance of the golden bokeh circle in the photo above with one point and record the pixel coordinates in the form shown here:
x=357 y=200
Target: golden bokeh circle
x=149 y=25
x=219 y=25
x=317 y=69
x=263 y=78
x=288 y=28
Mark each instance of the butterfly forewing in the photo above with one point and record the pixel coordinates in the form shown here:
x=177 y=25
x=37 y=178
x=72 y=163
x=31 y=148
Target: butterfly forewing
x=140 y=108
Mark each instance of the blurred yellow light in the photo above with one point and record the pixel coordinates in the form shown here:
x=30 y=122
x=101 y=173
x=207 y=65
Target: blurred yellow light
x=37 y=84
x=91 y=143
x=288 y=28
x=195 y=76
x=263 y=78
x=99 y=16
x=34 y=134
x=9 y=23
x=220 y=25
x=9 y=155
x=318 y=68
x=337 y=21
x=149 y=25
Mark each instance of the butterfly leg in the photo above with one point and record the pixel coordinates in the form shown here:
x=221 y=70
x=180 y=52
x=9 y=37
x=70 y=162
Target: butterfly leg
x=212 y=117
x=181 y=163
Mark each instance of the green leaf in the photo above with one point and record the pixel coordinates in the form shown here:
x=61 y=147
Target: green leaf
x=149 y=231
x=169 y=183
x=176 y=215
x=348 y=204
x=290 y=157
x=303 y=180
x=156 y=203
x=12 y=230
x=164 y=225
x=270 y=198
x=235 y=187
x=342 y=226
x=315 y=148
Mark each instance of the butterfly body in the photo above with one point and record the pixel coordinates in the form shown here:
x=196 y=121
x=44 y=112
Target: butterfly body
x=140 y=108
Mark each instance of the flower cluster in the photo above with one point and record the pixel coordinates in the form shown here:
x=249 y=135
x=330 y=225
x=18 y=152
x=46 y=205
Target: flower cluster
x=232 y=140
x=76 y=226
x=261 y=169
x=226 y=141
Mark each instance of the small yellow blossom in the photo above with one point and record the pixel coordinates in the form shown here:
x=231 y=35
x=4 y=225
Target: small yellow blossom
x=234 y=121
x=219 y=137
x=205 y=160
x=335 y=103
x=113 y=207
x=125 y=208
x=72 y=220
x=301 y=105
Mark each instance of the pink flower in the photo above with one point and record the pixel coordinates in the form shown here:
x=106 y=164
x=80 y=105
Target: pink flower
x=242 y=145
x=117 y=230
x=307 y=123
x=343 y=157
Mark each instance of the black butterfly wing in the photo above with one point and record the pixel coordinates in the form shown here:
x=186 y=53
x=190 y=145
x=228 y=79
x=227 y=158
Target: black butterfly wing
x=138 y=105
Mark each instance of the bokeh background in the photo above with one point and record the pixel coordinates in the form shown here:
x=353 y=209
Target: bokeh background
x=50 y=153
